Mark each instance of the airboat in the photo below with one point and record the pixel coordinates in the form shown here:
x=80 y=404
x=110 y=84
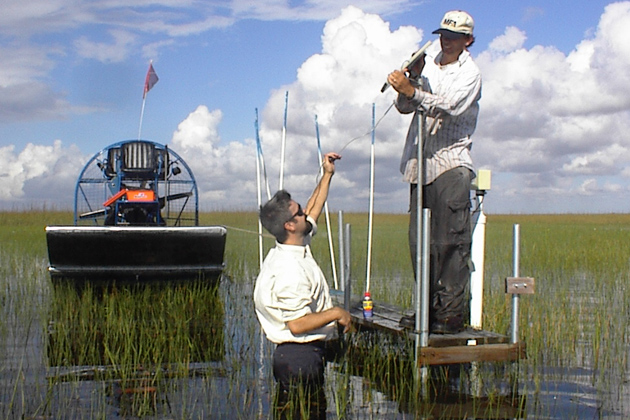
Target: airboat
x=136 y=216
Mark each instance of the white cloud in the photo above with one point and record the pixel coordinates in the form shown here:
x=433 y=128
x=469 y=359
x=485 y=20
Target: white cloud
x=225 y=173
x=198 y=132
x=599 y=162
x=512 y=40
x=107 y=52
x=552 y=116
x=588 y=187
x=40 y=174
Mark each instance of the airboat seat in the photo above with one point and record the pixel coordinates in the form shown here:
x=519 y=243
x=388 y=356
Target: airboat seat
x=113 y=155
x=139 y=160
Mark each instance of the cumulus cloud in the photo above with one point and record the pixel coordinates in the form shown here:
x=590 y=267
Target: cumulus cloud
x=39 y=174
x=225 y=173
x=555 y=116
x=512 y=40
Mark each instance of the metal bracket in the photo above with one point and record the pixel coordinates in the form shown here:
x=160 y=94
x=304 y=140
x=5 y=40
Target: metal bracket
x=520 y=285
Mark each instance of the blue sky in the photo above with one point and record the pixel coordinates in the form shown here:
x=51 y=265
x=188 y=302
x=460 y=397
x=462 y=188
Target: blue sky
x=554 y=113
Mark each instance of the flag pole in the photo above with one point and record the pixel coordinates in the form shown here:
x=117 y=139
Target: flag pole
x=144 y=101
x=149 y=81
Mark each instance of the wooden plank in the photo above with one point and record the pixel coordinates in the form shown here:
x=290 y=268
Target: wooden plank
x=466 y=354
x=481 y=337
x=475 y=408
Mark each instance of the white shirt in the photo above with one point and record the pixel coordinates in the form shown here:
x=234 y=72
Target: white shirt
x=289 y=286
x=449 y=97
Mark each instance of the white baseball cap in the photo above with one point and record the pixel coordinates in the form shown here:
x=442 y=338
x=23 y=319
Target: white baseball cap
x=455 y=24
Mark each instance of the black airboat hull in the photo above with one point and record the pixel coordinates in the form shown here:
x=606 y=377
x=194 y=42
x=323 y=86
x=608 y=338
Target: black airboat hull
x=135 y=252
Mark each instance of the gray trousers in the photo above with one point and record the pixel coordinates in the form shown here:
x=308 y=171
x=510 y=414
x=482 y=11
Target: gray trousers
x=448 y=197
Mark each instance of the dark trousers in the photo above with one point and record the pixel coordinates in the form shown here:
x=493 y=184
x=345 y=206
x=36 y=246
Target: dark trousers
x=448 y=197
x=299 y=371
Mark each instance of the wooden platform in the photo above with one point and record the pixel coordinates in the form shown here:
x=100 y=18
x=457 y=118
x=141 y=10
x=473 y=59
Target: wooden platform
x=470 y=345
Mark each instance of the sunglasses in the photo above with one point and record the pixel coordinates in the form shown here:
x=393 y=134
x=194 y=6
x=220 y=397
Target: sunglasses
x=299 y=212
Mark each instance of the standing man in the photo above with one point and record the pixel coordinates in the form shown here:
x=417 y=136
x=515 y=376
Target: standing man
x=293 y=301
x=447 y=95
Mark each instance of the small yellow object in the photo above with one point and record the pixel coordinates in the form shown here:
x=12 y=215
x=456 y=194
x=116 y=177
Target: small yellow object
x=483 y=180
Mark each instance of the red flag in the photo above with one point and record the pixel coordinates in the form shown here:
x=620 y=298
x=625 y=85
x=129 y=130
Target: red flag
x=151 y=80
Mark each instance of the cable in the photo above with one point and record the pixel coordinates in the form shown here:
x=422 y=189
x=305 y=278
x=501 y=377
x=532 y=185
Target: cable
x=369 y=131
x=358 y=137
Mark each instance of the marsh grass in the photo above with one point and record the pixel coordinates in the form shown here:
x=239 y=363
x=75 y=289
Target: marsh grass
x=185 y=351
x=135 y=325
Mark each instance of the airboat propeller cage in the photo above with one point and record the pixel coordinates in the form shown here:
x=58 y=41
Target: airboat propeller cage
x=136 y=214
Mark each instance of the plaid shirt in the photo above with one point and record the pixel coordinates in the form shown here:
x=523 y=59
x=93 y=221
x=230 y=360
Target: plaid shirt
x=449 y=97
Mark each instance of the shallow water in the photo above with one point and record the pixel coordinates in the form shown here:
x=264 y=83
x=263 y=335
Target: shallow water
x=235 y=380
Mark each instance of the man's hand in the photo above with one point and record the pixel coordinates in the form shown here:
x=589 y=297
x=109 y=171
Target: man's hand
x=345 y=320
x=328 y=162
x=401 y=83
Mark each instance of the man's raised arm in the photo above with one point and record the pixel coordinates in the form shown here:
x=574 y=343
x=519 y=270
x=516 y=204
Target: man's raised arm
x=320 y=194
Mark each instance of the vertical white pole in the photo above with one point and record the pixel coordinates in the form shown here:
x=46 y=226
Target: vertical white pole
x=333 y=263
x=261 y=342
x=259 y=193
x=478 y=259
x=476 y=286
x=371 y=211
x=284 y=141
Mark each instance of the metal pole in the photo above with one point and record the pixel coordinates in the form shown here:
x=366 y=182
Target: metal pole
x=419 y=185
x=425 y=290
x=422 y=309
x=515 y=296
